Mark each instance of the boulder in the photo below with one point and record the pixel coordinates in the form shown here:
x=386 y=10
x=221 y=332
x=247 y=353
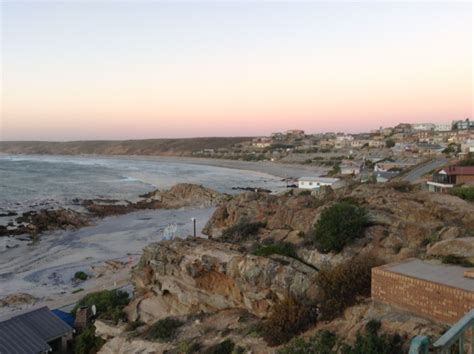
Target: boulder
x=196 y=275
x=460 y=247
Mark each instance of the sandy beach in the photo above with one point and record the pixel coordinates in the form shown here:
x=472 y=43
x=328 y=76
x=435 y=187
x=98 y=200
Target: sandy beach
x=45 y=269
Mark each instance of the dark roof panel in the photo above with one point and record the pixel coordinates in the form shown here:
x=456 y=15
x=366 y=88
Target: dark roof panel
x=18 y=339
x=29 y=333
x=43 y=322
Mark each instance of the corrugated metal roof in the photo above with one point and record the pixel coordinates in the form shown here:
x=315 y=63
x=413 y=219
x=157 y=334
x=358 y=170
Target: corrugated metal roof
x=30 y=332
x=43 y=322
x=18 y=339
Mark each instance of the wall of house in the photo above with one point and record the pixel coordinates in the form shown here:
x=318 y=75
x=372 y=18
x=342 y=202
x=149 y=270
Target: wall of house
x=464 y=179
x=426 y=299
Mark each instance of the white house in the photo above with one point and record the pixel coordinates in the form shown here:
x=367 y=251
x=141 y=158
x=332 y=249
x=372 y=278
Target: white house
x=443 y=127
x=315 y=182
x=423 y=126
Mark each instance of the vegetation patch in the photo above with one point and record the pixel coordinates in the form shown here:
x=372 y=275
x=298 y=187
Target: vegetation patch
x=338 y=226
x=468 y=161
x=402 y=186
x=87 y=342
x=370 y=341
x=81 y=276
x=457 y=260
x=241 y=231
x=282 y=248
x=109 y=304
x=287 y=319
x=466 y=193
x=341 y=286
x=163 y=330
x=225 y=347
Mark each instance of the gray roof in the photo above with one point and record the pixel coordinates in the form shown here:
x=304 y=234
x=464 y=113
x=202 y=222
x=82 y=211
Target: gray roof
x=18 y=339
x=30 y=332
x=449 y=275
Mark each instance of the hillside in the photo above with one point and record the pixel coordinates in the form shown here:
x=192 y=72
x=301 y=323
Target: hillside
x=163 y=147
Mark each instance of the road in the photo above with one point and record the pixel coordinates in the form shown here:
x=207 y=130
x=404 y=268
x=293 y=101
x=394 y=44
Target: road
x=419 y=171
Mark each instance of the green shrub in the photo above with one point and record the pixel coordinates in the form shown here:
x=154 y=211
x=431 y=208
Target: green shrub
x=109 y=304
x=338 y=226
x=163 y=330
x=287 y=319
x=466 y=193
x=341 y=285
x=323 y=342
x=87 y=342
x=283 y=248
x=305 y=192
x=401 y=186
x=468 y=161
x=80 y=276
x=241 y=231
x=461 y=261
x=225 y=347
x=389 y=143
x=372 y=342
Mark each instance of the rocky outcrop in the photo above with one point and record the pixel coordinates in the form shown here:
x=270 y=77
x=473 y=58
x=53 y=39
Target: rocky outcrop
x=459 y=247
x=183 y=195
x=17 y=299
x=36 y=222
x=281 y=213
x=199 y=332
x=196 y=275
x=402 y=224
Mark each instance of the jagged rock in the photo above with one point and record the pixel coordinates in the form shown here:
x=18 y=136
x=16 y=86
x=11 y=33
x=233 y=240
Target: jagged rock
x=189 y=276
x=449 y=233
x=17 y=299
x=284 y=212
x=182 y=195
x=460 y=247
x=107 y=330
x=185 y=195
x=36 y=222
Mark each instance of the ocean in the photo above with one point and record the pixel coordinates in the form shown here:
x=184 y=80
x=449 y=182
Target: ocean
x=30 y=182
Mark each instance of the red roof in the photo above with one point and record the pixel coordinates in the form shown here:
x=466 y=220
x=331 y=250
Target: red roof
x=459 y=170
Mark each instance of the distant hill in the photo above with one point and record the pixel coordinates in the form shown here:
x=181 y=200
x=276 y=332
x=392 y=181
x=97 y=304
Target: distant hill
x=162 y=147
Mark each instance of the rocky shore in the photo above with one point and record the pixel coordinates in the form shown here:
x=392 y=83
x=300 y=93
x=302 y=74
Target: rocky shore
x=184 y=195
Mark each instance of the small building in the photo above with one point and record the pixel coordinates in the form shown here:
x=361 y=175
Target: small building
x=295 y=133
x=261 y=143
x=443 y=127
x=385 y=176
x=463 y=124
x=423 y=126
x=446 y=178
x=315 y=182
x=440 y=292
x=37 y=331
x=349 y=167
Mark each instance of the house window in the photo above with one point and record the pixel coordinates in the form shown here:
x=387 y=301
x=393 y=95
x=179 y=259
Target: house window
x=310 y=183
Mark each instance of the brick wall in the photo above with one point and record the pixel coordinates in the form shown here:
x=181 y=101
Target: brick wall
x=426 y=299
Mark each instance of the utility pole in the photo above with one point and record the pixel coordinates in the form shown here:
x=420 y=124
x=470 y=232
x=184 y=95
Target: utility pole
x=194 y=226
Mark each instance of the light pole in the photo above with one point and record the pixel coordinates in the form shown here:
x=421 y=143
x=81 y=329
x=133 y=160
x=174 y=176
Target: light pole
x=194 y=226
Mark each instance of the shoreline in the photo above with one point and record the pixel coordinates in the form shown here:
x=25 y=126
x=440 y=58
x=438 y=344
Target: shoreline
x=274 y=169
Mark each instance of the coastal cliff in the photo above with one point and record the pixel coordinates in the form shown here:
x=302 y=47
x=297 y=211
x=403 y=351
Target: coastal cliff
x=222 y=290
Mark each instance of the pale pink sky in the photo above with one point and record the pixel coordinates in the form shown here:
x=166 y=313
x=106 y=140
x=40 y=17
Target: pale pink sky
x=118 y=70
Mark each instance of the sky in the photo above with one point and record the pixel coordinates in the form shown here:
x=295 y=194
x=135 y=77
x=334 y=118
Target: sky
x=84 y=70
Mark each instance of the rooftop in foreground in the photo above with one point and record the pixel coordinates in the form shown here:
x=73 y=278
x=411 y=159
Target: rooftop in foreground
x=449 y=275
